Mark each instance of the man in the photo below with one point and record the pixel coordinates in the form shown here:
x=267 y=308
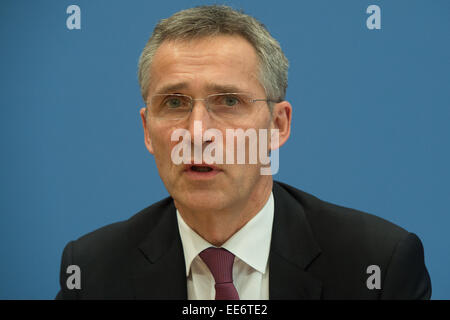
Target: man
x=228 y=231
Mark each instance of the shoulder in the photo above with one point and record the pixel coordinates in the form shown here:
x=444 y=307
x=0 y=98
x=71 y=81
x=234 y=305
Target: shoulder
x=352 y=241
x=112 y=239
x=349 y=239
x=330 y=221
x=110 y=253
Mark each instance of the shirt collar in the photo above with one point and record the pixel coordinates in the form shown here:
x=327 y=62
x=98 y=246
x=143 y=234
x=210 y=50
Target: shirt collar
x=251 y=243
x=193 y=244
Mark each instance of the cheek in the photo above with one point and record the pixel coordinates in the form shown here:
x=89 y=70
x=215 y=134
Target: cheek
x=161 y=142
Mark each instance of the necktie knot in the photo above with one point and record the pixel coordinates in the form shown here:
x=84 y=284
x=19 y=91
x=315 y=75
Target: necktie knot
x=220 y=263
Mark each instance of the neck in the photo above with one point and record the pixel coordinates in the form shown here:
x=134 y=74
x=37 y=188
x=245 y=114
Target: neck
x=217 y=226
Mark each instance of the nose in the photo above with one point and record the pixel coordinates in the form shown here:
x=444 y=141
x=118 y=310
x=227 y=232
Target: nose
x=199 y=115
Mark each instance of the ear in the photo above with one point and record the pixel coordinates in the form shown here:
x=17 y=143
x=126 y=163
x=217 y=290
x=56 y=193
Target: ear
x=281 y=120
x=148 y=142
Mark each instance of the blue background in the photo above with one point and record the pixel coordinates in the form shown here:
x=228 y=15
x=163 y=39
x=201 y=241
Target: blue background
x=370 y=122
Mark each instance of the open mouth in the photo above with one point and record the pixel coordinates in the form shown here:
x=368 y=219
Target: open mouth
x=201 y=171
x=201 y=168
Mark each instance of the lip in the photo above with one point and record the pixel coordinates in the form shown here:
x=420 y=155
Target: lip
x=195 y=175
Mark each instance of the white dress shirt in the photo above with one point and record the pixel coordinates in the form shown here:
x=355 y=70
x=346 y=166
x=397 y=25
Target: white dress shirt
x=250 y=245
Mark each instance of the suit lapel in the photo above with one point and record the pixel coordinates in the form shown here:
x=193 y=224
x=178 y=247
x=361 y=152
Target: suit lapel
x=293 y=248
x=159 y=268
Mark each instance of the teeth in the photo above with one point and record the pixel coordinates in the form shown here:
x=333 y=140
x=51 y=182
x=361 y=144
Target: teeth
x=201 y=169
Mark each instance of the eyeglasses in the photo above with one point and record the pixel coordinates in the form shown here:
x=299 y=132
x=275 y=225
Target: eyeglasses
x=175 y=106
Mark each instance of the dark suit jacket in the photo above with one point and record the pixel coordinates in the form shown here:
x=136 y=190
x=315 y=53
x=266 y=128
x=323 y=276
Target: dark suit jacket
x=318 y=251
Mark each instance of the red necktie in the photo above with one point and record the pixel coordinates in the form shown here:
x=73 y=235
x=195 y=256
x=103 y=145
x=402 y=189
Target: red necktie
x=220 y=263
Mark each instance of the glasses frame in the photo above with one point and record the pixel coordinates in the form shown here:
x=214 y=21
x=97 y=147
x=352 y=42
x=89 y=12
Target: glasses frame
x=205 y=99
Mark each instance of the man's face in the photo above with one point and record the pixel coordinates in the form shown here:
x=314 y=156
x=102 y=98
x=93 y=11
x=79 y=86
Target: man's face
x=198 y=68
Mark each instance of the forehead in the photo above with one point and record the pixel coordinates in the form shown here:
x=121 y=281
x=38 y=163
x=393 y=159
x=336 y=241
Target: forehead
x=205 y=63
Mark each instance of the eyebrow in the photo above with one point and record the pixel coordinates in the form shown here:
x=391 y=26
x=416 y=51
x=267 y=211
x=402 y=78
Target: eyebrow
x=212 y=87
x=172 y=87
x=223 y=88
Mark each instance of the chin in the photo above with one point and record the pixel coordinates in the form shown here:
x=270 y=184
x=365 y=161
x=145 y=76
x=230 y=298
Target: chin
x=203 y=199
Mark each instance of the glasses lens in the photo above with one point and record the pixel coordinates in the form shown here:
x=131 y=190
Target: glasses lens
x=170 y=106
x=228 y=105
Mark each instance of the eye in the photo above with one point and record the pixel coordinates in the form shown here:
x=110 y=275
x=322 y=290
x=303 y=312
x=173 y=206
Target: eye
x=173 y=102
x=230 y=100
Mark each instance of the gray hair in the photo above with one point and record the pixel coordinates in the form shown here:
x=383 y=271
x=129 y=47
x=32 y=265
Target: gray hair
x=207 y=21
